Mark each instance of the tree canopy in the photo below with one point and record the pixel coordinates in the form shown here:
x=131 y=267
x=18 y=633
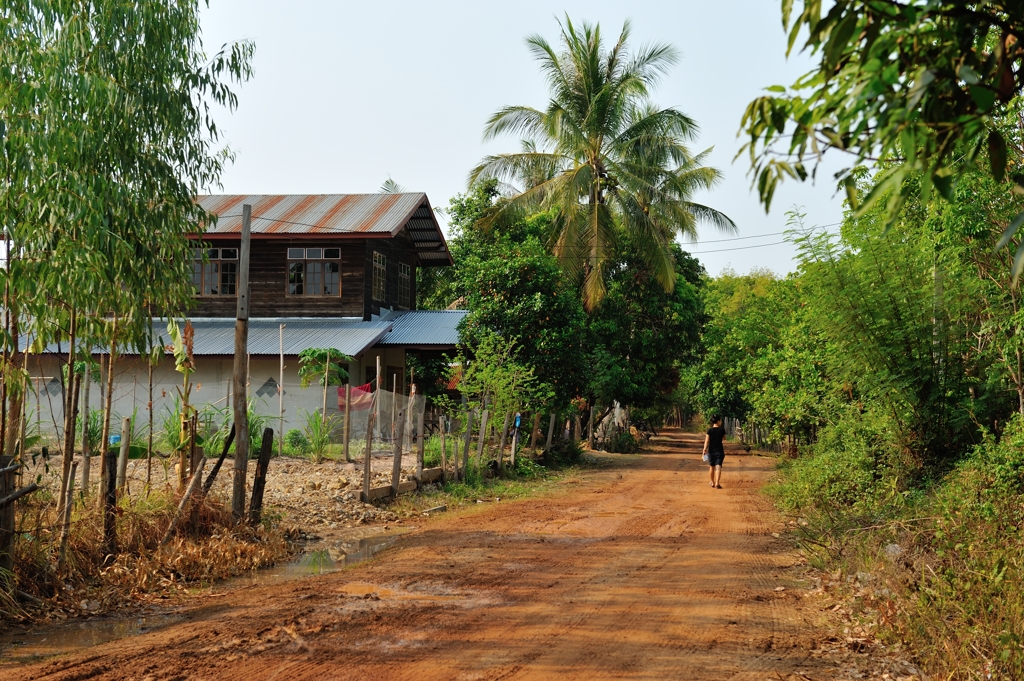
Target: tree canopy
x=602 y=158
x=915 y=86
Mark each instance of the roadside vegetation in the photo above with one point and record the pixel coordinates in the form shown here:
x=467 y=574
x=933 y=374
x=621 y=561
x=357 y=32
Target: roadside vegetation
x=890 y=366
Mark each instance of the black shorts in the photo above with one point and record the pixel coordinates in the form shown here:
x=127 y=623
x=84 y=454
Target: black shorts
x=716 y=458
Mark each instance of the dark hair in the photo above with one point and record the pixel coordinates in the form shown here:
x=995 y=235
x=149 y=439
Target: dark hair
x=716 y=419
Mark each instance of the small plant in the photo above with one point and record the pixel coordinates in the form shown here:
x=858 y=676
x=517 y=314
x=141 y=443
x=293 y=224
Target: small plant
x=529 y=469
x=318 y=430
x=297 y=441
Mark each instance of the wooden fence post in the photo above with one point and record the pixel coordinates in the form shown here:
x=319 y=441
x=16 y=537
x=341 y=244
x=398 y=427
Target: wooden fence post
x=465 y=451
x=551 y=431
x=240 y=375
x=348 y=419
x=504 y=435
x=483 y=436
x=420 y=444
x=369 y=448
x=396 y=449
x=260 y=481
x=109 y=496
x=515 y=442
x=444 y=447
x=535 y=433
x=590 y=430
x=122 y=457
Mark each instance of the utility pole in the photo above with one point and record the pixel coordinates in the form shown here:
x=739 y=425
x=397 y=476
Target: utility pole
x=280 y=397
x=240 y=376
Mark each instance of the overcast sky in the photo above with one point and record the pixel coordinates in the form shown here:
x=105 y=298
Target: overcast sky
x=346 y=94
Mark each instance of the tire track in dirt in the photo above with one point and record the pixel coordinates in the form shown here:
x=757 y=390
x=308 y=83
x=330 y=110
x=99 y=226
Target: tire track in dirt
x=639 y=571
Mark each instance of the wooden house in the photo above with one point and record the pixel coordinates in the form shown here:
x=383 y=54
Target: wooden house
x=326 y=255
x=335 y=271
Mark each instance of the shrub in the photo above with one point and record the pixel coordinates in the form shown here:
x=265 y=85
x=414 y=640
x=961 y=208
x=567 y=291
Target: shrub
x=562 y=453
x=621 y=442
x=297 y=441
x=842 y=470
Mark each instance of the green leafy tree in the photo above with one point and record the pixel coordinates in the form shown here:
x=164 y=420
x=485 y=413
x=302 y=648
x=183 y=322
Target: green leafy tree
x=106 y=135
x=322 y=365
x=916 y=85
x=641 y=334
x=602 y=158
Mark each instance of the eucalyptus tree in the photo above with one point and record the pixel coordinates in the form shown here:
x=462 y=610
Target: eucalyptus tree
x=107 y=106
x=604 y=156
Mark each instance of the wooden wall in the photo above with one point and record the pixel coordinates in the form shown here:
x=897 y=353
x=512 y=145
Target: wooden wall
x=395 y=250
x=268 y=280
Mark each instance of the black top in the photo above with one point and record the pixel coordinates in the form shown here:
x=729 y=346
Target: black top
x=715 y=436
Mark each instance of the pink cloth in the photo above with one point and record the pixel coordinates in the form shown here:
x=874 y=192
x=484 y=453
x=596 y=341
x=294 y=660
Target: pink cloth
x=362 y=397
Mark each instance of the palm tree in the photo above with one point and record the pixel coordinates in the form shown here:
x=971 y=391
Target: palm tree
x=603 y=156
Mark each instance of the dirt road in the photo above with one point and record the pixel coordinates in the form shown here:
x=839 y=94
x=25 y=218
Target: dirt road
x=640 y=571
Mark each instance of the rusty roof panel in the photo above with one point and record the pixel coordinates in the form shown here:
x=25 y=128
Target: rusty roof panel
x=316 y=213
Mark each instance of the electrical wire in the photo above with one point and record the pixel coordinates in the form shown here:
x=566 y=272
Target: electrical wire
x=738 y=248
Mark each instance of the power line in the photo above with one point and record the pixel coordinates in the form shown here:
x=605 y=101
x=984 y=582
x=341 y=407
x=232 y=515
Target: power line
x=740 y=248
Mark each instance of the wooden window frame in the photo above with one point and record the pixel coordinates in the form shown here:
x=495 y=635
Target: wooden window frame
x=379 y=276
x=404 y=285
x=305 y=267
x=212 y=256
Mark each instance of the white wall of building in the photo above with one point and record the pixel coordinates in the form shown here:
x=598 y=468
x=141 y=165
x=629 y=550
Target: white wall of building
x=211 y=387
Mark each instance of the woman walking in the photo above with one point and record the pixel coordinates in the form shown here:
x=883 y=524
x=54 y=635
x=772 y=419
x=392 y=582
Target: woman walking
x=714 y=450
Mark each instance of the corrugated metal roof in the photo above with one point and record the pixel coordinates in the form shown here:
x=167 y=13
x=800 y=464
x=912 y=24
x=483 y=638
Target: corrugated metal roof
x=338 y=215
x=424 y=327
x=313 y=213
x=217 y=336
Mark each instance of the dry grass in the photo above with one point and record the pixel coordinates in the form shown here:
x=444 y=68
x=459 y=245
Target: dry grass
x=207 y=546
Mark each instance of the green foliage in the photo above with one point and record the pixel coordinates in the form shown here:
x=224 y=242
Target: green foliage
x=602 y=159
x=844 y=470
x=640 y=334
x=528 y=469
x=916 y=83
x=562 y=453
x=621 y=442
x=494 y=380
x=296 y=440
x=321 y=365
x=318 y=431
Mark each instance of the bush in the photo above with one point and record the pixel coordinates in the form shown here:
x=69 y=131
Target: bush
x=562 y=453
x=297 y=440
x=528 y=468
x=843 y=469
x=622 y=442
x=946 y=557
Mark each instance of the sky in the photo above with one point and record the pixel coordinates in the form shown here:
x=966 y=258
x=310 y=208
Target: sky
x=345 y=95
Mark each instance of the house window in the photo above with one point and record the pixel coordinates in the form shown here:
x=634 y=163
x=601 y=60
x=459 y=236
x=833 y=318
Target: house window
x=314 y=271
x=404 y=284
x=215 y=274
x=380 y=276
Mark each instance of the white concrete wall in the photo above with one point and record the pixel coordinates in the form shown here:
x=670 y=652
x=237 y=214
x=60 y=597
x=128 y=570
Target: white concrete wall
x=211 y=385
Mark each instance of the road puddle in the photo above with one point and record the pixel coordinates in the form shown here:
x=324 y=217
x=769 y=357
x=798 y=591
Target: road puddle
x=318 y=562
x=59 y=639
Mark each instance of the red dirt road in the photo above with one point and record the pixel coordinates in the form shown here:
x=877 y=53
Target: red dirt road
x=638 y=571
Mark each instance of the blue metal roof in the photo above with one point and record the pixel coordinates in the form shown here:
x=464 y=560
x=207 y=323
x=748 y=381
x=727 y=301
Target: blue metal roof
x=353 y=336
x=217 y=336
x=424 y=328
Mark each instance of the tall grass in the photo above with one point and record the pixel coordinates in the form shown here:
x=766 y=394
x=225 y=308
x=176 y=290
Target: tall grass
x=938 y=566
x=208 y=546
